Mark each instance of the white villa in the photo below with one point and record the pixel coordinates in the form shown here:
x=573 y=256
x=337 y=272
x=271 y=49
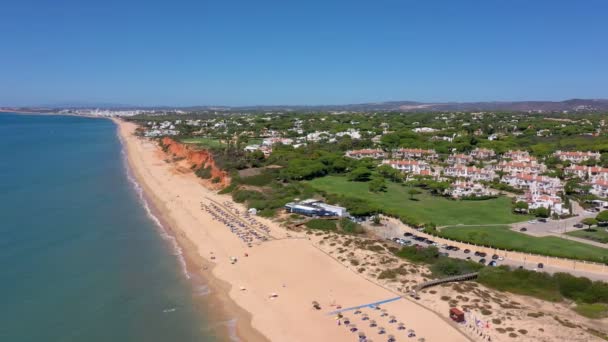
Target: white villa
x=483 y=153
x=366 y=153
x=414 y=167
x=465 y=189
x=472 y=173
x=577 y=156
x=540 y=184
x=414 y=153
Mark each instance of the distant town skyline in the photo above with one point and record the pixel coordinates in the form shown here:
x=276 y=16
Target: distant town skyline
x=314 y=53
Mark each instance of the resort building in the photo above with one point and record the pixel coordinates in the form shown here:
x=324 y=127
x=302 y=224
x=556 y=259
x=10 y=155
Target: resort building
x=467 y=189
x=577 y=156
x=534 y=183
x=591 y=173
x=414 y=153
x=518 y=156
x=551 y=202
x=483 y=154
x=531 y=167
x=459 y=158
x=366 y=153
x=472 y=173
x=273 y=141
x=414 y=167
x=599 y=188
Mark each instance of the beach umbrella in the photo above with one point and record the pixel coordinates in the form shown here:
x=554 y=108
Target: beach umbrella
x=391 y=338
x=381 y=330
x=361 y=334
x=422 y=339
x=353 y=327
x=391 y=319
x=400 y=326
x=357 y=312
x=384 y=312
x=365 y=317
x=372 y=323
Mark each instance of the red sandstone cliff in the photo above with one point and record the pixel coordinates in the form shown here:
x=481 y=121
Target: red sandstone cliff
x=196 y=159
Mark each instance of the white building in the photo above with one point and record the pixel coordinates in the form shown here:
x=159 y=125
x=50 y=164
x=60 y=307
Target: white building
x=577 y=156
x=414 y=153
x=414 y=167
x=472 y=173
x=467 y=189
x=366 y=153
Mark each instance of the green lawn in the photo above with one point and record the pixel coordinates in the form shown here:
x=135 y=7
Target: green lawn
x=213 y=142
x=425 y=208
x=504 y=238
x=595 y=311
x=598 y=234
x=207 y=142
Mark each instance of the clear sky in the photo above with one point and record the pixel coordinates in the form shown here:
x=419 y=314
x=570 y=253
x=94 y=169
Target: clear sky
x=228 y=52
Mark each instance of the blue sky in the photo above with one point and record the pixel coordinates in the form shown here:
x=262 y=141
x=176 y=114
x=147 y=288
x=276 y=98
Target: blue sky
x=248 y=52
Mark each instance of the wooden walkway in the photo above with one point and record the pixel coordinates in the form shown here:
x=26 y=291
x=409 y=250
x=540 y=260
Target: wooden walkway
x=435 y=282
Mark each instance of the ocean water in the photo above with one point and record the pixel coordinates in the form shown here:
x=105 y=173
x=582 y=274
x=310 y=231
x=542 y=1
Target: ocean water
x=80 y=257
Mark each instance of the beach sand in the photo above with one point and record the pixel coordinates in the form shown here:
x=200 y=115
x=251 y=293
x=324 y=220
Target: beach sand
x=289 y=265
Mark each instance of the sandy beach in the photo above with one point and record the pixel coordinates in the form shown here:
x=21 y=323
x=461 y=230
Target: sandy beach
x=273 y=283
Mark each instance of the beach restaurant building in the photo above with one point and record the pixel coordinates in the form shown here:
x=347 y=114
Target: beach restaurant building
x=312 y=207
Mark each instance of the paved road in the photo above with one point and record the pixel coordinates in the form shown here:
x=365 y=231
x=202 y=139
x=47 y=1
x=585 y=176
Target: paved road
x=391 y=231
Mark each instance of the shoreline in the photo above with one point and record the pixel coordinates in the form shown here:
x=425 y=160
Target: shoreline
x=225 y=310
x=292 y=267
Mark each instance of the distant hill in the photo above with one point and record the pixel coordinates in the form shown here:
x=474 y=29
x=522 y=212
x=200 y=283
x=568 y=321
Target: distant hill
x=573 y=105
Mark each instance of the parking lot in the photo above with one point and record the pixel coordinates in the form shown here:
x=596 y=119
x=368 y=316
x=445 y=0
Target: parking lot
x=392 y=231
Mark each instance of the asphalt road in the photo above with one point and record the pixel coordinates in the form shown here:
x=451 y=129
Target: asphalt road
x=390 y=232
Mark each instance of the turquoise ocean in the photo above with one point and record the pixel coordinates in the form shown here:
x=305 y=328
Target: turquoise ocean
x=81 y=256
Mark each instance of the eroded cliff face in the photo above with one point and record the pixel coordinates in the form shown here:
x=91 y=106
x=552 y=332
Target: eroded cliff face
x=196 y=160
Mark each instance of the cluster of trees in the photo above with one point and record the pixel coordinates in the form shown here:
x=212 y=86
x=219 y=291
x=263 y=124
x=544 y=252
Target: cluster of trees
x=543 y=285
x=440 y=265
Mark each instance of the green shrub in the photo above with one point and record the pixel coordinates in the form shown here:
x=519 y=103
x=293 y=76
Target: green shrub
x=203 y=172
x=258 y=180
x=321 y=224
x=351 y=227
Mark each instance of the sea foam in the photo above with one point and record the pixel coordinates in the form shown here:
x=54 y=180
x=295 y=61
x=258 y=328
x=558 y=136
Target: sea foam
x=163 y=232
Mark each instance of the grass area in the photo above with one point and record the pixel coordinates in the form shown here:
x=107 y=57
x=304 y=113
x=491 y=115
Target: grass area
x=596 y=234
x=595 y=311
x=214 y=142
x=536 y=284
x=207 y=142
x=504 y=238
x=425 y=207
x=321 y=224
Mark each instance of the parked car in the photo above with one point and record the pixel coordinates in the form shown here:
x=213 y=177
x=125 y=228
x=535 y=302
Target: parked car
x=407 y=234
x=468 y=258
x=454 y=248
x=492 y=263
x=523 y=229
x=494 y=257
x=540 y=265
x=578 y=225
x=467 y=251
x=482 y=261
x=532 y=221
x=476 y=253
x=543 y=220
